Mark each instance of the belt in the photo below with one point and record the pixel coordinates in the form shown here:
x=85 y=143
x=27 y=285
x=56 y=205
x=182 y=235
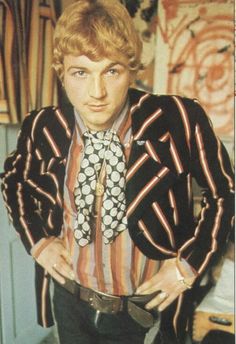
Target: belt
x=106 y=303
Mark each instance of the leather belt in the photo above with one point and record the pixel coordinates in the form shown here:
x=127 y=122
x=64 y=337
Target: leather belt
x=106 y=303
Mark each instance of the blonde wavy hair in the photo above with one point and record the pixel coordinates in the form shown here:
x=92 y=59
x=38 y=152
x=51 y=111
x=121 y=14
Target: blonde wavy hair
x=97 y=29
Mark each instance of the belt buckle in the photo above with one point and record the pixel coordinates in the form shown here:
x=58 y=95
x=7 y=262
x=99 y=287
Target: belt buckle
x=104 y=304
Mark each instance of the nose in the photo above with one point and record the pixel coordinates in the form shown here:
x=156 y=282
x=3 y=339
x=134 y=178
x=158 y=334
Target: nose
x=97 y=88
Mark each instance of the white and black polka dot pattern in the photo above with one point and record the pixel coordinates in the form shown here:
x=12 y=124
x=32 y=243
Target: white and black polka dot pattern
x=113 y=209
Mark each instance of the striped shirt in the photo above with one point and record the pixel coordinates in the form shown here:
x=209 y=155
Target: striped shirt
x=117 y=268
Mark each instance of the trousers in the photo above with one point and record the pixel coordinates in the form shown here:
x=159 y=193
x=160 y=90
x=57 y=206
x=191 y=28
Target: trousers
x=79 y=323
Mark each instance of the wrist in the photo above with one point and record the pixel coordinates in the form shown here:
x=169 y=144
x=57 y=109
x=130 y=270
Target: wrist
x=184 y=273
x=40 y=246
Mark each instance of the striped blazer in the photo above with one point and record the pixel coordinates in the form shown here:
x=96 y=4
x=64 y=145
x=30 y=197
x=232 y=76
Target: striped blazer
x=172 y=142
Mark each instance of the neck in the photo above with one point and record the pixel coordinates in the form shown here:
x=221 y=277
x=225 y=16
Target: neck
x=102 y=127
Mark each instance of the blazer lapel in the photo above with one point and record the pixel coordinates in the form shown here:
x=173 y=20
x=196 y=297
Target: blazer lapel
x=150 y=175
x=150 y=171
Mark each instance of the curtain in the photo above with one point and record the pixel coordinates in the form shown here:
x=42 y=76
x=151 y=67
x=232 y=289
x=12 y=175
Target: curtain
x=27 y=80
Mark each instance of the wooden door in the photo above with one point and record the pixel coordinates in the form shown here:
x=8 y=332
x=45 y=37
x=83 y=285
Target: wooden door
x=17 y=296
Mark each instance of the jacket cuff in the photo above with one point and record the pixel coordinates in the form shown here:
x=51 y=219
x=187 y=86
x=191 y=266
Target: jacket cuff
x=40 y=246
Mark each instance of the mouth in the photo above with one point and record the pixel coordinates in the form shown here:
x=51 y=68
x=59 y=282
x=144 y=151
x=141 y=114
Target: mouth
x=97 y=107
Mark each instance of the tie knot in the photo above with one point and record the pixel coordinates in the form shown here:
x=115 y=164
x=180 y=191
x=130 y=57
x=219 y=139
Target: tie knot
x=104 y=137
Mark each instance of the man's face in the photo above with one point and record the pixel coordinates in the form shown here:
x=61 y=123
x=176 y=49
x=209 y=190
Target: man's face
x=97 y=89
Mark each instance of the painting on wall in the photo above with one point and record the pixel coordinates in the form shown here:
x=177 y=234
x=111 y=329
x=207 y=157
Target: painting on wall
x=195 y=56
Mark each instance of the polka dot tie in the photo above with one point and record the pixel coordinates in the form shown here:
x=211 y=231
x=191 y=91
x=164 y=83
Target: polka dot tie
x=101 y=147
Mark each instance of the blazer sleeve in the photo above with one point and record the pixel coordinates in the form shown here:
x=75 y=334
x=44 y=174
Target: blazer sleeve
x=21 y=206
x=211 y=168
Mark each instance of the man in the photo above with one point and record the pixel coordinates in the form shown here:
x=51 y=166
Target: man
x=102 y=197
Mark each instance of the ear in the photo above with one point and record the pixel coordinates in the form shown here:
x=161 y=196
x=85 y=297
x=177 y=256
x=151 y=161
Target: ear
x=133 y=75
x=60 y=74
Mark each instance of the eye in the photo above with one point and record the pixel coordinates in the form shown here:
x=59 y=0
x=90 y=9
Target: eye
x=80 y=74
x=113 y=71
